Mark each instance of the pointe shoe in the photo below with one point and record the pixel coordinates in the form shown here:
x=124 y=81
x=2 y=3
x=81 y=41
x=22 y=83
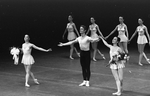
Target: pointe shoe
x=36 y=81
x=140 y=64
x=117 y=93
x=83 y=83
x=94 y=59
x=71 y=57
x=148 y=60
x=103 y=56
x=27 y=85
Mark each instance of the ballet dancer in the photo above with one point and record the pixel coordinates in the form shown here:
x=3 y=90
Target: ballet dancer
x=122 y=34
x=142 y=40
x=28 y=60
x=71 y=35
x=85 y=58
x=117 y=66
x=94 y=28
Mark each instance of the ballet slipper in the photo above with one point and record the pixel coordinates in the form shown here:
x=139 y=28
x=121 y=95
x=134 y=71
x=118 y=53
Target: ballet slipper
x=140 y=64
x=71 y=57
x=36 y=81
x=94 y=59
x=83 y=83
x=27 y=85
x=148 y=60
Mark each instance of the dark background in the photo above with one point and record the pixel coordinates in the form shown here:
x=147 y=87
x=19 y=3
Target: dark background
x=45 y=20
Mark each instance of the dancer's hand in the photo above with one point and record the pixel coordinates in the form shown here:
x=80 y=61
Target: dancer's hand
x=60 y=44
x=106 y=37
x=49 y=50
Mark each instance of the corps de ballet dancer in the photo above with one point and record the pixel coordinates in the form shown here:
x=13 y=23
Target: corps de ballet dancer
x=116 y=63
x=142 y=40
x=122 y=34
x=28 y=60
x=85 y=57
x=71 y=35
x=94 y=28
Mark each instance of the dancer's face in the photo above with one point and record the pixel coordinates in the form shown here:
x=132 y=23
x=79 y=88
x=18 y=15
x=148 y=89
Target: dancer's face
x=121 y=19
x=26 y=38
x=92 y=20
x=70 y=18
x=115 y=40
x=140 y=21
x=82 y=30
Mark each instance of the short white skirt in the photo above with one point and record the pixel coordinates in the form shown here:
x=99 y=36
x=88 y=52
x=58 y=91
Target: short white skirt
x=71 y=36
x=117 y=66
x=27 y=60
x=123 y=38
x=142 y=39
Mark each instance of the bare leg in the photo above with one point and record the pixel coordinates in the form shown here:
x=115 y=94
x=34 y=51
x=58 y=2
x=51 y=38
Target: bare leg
x=33 y=77
x=120 y=73
x=118 y=83
x=27 y=69
x=77 y=51
x=71 y=51
x=140 y=49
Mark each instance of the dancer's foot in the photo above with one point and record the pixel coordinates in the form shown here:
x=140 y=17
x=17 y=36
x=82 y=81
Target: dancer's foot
x=103 y=56
x=36 y=81
x=117 y=93
x=83 y=83
x=87 y=84
x=140 y=64
x=71 y=57
x=27 y=85
x=94 y=59
x=148 y=60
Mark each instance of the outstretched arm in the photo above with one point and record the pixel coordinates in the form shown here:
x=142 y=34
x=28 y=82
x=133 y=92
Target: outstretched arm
x=108 y=45
x=133 y=35
x=76 y=30
x=126 y=30
x=68 y=43
x=41 y=49
x=99 y=31
x=111 y=32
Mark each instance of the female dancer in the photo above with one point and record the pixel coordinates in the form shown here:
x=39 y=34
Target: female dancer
x=116 y=67
x=71 y=35
x=28 y=60
x=122 y=30
x=84 y=43
x=94 y=28
x=142 y=40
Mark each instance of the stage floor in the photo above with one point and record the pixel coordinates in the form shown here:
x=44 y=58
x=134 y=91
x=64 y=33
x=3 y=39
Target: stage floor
x=60 y=76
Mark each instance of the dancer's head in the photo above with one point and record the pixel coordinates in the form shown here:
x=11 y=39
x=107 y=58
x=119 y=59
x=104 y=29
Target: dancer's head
x=140 y=21
x=92 y=20
x=115 y=40
x=82 y=29
x=121 y=20
x=26 y=38
x=70 y=18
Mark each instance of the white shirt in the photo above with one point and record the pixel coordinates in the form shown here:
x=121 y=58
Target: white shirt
x=84 y=42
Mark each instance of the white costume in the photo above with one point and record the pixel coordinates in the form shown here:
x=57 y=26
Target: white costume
x=141 y=36
x=121 y=35
x=27 y=58
x=93 y=31
x=71 y=34
x=114 y=50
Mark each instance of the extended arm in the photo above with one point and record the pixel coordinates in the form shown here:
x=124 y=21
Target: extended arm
x=126 y=30
x=99 y=31
x=108 y=45
x=68 y=43
x=76 y=30
x=146 y=30
x=133 y=35
x=41 y=49
x=111 y=32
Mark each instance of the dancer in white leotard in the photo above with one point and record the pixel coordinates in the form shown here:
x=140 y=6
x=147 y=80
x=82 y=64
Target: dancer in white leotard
x=117 y=67
x=71 y=35
x=94 y=28
x=142 y=40
x=122 y=34
x=28 y=60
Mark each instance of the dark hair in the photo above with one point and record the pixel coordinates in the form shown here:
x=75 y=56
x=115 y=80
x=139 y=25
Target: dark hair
x=83 y=27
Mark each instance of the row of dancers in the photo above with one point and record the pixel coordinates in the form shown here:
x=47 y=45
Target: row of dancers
x=85 y=56
x=122 y=34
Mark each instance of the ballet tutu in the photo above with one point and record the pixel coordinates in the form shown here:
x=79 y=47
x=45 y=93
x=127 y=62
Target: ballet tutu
x=27 y=60
x=71 y=36
x=142 y=39
x=117 y=66
x=123 y=38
